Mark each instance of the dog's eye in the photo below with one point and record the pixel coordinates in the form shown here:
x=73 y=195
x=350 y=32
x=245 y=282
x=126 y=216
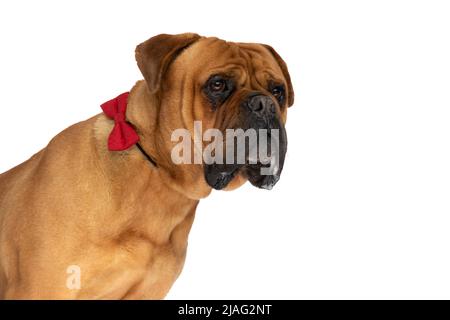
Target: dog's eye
x=218 y=88
x=277 y=91
x=218 y=85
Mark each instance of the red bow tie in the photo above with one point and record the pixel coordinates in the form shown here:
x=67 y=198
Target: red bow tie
x=122 y=136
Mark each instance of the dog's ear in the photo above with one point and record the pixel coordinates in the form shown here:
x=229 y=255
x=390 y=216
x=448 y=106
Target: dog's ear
x=155 y=55
x=284 y=69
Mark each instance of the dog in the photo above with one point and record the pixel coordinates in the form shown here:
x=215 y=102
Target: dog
x=103 y=212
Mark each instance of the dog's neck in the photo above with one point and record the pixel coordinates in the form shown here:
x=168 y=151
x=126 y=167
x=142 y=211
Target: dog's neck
x=145 y=199
x=151 y=117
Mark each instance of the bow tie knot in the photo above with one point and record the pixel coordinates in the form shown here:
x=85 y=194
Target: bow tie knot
x=122 y=136
x=119 y=117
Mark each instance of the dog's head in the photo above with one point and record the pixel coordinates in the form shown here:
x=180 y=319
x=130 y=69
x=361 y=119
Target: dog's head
x=242 y=90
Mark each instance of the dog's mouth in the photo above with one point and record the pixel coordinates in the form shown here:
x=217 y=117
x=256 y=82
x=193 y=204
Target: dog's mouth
x=262 y=166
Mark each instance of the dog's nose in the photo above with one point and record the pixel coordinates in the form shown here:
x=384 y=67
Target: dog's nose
x=261 y=104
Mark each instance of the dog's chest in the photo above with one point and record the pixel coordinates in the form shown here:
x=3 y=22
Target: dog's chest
x=157 y=275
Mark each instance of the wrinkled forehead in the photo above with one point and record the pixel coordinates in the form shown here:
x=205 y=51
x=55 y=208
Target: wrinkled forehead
x=245 y=62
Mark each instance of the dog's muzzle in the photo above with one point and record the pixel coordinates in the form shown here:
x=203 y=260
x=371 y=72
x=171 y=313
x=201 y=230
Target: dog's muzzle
x=264 y=157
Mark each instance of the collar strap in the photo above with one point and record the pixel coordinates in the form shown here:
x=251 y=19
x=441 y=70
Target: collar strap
x=123 y=136
x=146 y=155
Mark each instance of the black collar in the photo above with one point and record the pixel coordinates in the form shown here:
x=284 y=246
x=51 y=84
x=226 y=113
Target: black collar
x=146 y=155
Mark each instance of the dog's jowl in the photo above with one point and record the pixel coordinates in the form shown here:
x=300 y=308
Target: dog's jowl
x=104 y=211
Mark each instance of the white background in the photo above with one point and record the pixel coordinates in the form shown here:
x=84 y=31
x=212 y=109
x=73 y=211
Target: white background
x=362 y=209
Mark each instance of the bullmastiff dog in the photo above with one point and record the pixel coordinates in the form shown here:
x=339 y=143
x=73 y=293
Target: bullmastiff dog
x=92 y=216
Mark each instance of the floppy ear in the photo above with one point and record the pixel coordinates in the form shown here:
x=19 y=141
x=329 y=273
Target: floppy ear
x=284 y=69
x=155 y=55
